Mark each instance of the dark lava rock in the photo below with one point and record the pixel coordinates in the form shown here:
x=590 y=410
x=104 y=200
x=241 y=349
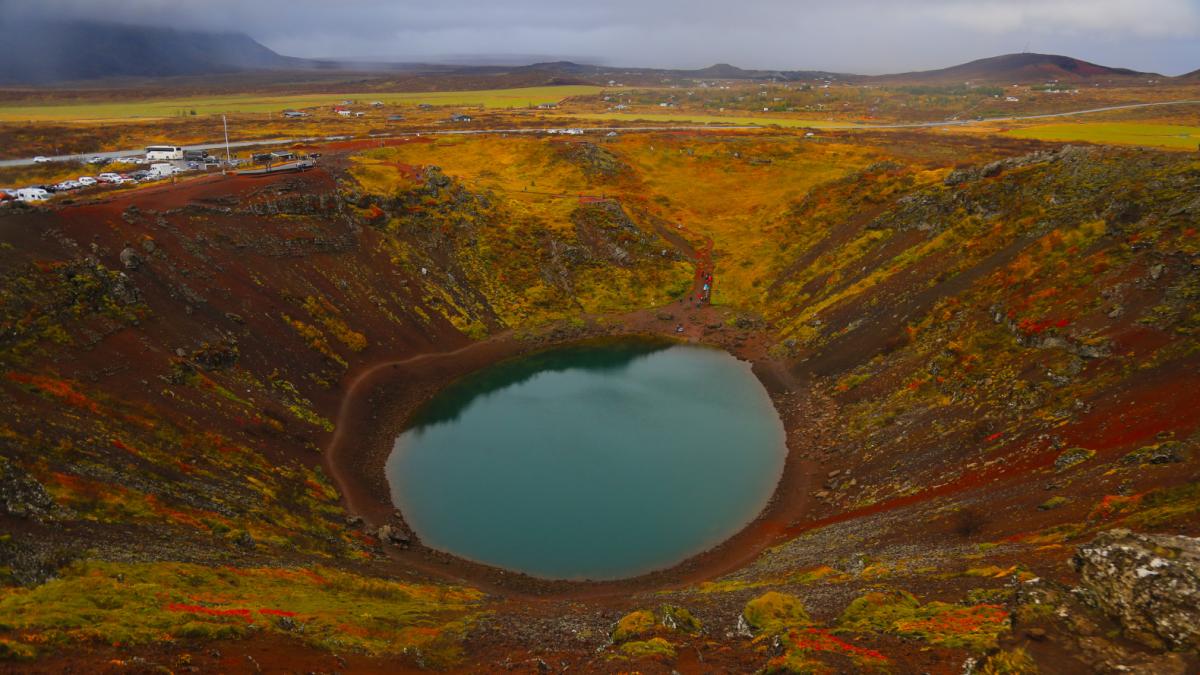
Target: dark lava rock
x=130 y=259
x=1149 y=583
x=21 y=495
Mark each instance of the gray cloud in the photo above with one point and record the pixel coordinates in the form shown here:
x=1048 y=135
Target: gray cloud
x=865 y=36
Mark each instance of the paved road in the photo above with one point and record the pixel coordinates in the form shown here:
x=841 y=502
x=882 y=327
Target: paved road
x=540 y=130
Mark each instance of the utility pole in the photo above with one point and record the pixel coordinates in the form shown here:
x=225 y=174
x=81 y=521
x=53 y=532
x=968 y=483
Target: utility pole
x=225 y=123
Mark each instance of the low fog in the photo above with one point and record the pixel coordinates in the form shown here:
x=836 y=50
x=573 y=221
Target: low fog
x=860 y=36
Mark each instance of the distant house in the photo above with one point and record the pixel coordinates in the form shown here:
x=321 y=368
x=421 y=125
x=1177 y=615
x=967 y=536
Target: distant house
x=344 y=112
x=547 y=106
x=293 y=114
x=376 y=104
x=360 y=114
x=1011 y=99
x=459 y=117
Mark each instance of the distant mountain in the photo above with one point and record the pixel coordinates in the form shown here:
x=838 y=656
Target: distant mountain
x=1194 y=75
x=719 y=71
x=1022 y=68
x=43 y=52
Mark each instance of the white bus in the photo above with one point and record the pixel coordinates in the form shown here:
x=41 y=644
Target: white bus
x=163 y=152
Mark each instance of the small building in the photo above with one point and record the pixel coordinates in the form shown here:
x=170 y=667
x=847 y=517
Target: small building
x=344 y=112
x=459 y=117
x=547 y=106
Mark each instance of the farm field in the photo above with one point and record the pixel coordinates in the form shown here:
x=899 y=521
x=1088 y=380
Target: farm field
x=251 y=103
x=686 y=118
x=1116 y=133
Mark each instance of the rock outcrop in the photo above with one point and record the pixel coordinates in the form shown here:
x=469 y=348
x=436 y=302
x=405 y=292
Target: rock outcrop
x=1148 y=583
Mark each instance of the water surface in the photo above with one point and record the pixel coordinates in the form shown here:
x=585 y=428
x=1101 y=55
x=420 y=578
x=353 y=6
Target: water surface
x=598 y=461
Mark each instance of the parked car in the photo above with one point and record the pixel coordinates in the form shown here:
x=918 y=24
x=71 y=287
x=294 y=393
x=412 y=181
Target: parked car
x=109 y=177
x=41 y=159
x=98 y=161
x=87 y=181
x=67 y=185
x=139 y=176
x=32 y=194
x=193 y=166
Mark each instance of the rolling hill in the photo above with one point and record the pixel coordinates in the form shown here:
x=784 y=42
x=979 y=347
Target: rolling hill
x=48 y=52
x=1025 y=67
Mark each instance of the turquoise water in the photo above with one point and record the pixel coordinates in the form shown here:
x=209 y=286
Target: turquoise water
x=599 y=461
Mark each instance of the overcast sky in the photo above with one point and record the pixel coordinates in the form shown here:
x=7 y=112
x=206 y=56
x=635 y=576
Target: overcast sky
x=861 y=36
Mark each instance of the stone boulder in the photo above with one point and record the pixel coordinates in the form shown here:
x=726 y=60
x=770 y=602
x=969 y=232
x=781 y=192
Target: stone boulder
x=1149 y=583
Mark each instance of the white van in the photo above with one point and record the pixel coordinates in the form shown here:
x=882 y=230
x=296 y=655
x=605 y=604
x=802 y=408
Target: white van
x=163 y=152
x=32 y=195
x=163 y=169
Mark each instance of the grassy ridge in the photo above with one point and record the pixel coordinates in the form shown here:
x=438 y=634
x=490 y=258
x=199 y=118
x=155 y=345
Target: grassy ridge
x=211 y=105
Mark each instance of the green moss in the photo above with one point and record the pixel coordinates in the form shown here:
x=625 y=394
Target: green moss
x=634 y=625
x=654 y=648
x=151 y=603
x=775 y=612
x=1054 y=503
x=940 y=623
x=878 y=610
x=679 y=619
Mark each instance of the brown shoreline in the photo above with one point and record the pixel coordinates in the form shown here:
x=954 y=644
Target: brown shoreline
x=381 y=398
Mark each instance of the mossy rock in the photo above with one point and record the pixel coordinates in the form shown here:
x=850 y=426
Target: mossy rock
x=1054 y=503
x=679 y=619
x=1171 y=452
x=654 y=648
x=1072 y=457
x=878 y=610
x=634 y=625
x=775 y=612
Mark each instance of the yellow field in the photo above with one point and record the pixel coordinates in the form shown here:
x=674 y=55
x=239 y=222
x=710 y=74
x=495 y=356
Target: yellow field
x=1117 y=133
x=683 y=117
x=248 y=103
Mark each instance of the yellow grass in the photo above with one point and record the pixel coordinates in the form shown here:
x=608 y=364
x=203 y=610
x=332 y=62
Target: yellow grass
x=1118 y=133
x=688 y=118
x=249 y=103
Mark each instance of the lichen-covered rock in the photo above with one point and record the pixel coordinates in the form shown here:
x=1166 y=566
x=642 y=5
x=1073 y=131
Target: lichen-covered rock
x=1149 y=583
